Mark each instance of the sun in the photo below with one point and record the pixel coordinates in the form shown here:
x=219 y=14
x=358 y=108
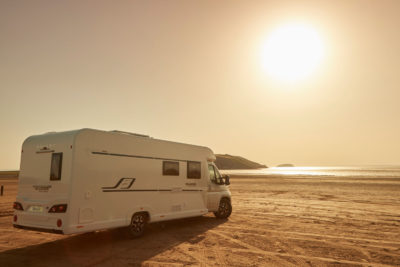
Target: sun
x=292 y=52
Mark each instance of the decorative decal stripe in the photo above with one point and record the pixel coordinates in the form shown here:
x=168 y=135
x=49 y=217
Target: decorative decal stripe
x=135 y=156
x=125 y=184
x=150 y=190
x=137 y=190
x=192 y=190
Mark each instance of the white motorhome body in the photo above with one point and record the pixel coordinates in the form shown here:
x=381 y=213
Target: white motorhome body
x=87 y=180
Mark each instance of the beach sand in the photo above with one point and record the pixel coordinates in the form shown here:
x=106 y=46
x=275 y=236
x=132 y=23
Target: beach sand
x=279 y=221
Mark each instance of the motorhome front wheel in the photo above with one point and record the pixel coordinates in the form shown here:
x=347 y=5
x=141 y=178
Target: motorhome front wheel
x=224 y=209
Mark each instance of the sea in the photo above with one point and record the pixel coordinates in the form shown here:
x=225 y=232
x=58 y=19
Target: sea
x=345 y=171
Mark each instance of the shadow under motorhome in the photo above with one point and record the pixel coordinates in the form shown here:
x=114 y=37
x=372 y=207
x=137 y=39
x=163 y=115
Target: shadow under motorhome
x=87 y=180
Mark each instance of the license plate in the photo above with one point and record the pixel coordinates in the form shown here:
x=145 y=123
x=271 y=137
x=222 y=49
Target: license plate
x=36 y=208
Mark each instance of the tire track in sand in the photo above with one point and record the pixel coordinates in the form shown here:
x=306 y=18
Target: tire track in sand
x=257 y=250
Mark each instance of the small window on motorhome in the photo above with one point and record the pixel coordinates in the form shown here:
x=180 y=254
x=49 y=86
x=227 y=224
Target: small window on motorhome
x=171 y=168
x=193 y=170
x=56 y=163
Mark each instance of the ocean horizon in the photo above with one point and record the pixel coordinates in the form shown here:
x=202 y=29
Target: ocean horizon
x=370 y=171
x=377 y=171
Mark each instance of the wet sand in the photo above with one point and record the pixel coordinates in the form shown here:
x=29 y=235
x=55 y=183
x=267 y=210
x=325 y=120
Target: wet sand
x=279 y=221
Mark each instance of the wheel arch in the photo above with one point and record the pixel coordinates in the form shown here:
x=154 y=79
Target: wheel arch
x=142 y=212
x=136 y=210
x=225 y=196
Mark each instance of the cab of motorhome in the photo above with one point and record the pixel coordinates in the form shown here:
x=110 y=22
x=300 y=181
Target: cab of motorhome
x=87 y=180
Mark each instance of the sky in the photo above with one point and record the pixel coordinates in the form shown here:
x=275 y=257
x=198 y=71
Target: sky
x=192 y=72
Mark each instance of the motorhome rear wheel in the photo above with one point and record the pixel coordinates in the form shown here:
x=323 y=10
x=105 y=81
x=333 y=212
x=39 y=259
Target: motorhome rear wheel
x=138 y=224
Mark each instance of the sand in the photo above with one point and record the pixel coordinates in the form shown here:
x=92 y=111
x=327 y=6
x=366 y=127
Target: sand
x=275 y=221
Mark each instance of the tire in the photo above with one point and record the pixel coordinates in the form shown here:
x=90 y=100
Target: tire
x=224 y=209
x=138 y=224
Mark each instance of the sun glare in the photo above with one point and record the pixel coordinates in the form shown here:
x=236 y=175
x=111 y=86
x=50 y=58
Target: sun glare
x=292 y=52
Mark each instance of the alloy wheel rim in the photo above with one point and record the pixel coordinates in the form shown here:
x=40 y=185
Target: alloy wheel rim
x=137 y=224
x=224 y=209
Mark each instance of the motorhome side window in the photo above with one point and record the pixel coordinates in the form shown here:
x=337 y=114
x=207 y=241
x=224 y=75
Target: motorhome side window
x=56 y=164
x=193 y=170
x=171 y=168
x=212 y=172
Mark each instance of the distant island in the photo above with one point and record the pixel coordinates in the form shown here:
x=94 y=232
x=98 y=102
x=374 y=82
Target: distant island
x=285 y=165
x=229 y=162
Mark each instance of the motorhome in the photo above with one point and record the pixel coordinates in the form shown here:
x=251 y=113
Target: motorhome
x=87 y=180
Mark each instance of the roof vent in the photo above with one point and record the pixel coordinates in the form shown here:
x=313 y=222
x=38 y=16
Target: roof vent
x=129 y=133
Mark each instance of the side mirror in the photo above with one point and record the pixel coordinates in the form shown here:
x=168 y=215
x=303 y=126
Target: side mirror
x=227 y=182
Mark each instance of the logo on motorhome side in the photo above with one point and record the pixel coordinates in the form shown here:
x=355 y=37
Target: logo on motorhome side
x=45 y=146
x=42 y=188
x=124 y=184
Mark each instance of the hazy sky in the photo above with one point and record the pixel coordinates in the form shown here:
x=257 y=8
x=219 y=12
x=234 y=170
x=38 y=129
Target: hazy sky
x=191 y=71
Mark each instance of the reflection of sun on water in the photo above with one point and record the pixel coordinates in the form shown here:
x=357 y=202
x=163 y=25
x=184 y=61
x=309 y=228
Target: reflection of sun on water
x=292 y=52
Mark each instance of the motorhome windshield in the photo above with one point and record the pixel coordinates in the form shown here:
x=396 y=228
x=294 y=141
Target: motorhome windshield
x=215 y=176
